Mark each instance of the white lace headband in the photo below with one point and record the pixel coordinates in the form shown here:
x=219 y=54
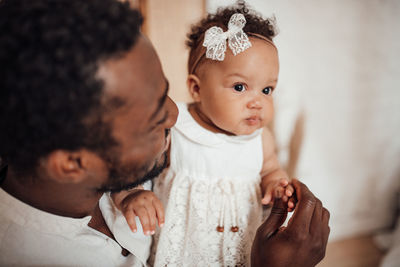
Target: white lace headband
x=215 y=40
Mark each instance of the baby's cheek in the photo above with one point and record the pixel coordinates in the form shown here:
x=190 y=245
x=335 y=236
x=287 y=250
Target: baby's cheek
x=268 y=114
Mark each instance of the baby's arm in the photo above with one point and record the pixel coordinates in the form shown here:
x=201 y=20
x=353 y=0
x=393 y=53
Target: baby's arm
x=142 y=203
x=275 y=182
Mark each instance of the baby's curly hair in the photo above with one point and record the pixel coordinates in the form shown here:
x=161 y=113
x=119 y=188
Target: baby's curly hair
x=49 y=56
x=255 y=23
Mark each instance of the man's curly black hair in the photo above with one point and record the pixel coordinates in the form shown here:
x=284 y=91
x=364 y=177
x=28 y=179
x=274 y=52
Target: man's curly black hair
x=255 y=23
x=49 y=55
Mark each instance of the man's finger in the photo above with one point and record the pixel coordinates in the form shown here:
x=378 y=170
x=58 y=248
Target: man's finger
x=325 y=222
x=321 y=233
x=316 y=226
x=305 y=208
x=275 y=219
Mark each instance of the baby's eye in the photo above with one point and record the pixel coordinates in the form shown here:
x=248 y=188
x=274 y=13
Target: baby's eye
x=239 y=87
x=267 y=90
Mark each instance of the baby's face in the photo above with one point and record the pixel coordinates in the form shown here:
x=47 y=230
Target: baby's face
x=235 y=94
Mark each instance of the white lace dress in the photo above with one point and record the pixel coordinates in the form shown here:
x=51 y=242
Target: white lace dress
x=213 y=180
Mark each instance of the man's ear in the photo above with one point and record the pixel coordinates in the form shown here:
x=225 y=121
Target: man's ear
x=66 y=167
x=193 y=83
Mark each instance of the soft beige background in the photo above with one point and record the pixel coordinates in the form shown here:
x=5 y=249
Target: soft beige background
x=167 y=25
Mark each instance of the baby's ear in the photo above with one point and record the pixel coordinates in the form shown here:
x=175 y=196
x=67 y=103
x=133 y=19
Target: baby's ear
x=193 y=83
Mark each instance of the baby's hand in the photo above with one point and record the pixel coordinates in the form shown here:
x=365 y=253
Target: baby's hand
x=145 y=205
x=278 y=188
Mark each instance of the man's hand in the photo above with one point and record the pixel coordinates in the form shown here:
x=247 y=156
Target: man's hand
x=302 y=242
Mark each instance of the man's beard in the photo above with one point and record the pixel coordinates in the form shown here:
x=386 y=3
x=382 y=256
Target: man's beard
x=119 y=177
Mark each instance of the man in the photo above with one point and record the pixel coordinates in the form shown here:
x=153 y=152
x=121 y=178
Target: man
x=85 y=111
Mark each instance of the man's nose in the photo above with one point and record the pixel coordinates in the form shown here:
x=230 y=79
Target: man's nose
x=172 y=113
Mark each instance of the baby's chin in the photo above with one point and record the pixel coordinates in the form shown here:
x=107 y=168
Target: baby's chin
x=241 y=128
x=246 y=130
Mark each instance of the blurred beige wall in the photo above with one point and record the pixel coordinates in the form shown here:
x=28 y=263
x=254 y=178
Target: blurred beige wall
x=167 y=23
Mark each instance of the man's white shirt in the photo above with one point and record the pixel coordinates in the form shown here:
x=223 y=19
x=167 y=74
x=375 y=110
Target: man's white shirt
x=32 y=237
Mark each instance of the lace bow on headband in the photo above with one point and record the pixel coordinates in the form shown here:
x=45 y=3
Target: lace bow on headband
x=215 y=38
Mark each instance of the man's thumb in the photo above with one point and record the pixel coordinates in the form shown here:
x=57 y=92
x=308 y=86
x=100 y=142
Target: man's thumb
x=275 y=219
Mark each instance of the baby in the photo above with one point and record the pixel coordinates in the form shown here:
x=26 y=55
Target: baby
x=223 y=165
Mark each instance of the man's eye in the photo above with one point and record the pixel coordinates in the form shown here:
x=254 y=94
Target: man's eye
x=239 y=87
x=267 y=90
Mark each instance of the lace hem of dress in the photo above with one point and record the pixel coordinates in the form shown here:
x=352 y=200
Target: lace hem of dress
x=189 y=236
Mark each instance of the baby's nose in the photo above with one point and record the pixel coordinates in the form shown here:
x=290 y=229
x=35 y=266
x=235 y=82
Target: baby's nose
x=254 y=103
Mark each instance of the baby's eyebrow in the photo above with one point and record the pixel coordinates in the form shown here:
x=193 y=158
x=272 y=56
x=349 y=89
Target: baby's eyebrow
x=161 y=101
x=236 y=75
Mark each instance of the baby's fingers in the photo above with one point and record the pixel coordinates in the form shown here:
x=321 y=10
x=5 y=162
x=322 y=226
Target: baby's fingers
x=130 y=217
x=292 y=203
x=152 y=218
x=279 y=192
x=283 y=182
x=289 y=190
x=144 y=220
x=267 y=196
x=160 y=211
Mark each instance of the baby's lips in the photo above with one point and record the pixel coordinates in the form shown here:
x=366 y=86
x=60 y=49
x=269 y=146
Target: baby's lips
x=253 y=120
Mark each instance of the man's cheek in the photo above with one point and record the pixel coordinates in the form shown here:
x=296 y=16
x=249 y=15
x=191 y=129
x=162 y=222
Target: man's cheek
x=158 y=142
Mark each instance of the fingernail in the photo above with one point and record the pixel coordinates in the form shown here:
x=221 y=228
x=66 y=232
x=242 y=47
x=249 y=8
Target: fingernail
x=147 y=233
x=162 y=224
x=134 y=230
x=153 y=232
